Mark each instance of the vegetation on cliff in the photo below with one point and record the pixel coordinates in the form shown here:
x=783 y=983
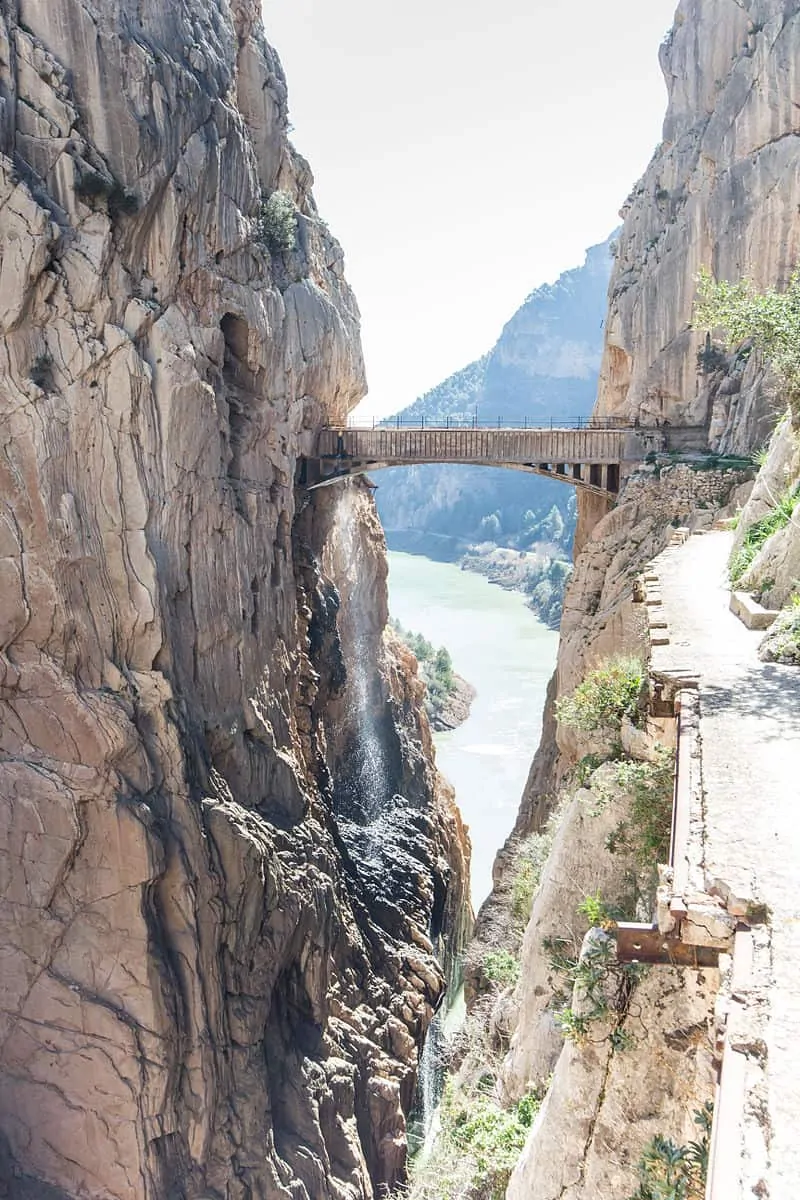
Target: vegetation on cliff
x=541 y=574
x=769 y=321
x=447 y=696
x=759 y=533
x=605 y=697
x=668 y=1171
x=479 y=1139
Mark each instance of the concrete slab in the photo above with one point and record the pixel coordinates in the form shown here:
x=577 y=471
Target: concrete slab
x=750 y=612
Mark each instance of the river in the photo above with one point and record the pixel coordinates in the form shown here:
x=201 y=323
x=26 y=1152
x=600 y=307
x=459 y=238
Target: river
x=505 y=652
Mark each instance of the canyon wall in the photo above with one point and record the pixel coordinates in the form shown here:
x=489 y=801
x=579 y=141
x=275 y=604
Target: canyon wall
x=200 y=995
x=722 y=191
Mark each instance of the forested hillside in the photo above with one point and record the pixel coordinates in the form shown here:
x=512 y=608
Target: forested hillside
x=544 y=366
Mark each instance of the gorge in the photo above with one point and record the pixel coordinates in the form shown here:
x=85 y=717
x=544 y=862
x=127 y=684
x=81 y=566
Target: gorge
x=234 y=887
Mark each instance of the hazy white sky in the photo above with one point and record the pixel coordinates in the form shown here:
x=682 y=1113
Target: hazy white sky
x=464 y=153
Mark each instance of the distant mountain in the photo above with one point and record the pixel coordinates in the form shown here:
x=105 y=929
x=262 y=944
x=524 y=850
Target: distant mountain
x=545 y=364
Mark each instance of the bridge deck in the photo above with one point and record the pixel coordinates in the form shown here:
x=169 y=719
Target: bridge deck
x=588 y=457
x=389 y=446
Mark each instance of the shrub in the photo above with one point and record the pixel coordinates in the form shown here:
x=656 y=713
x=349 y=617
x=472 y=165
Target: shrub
x=501 y=968
x=477 y=1148
x=490 y=527
x=40 y=371
x=276 y=224
x=651 y=786
x=605 y=697
x=587 y=766
x=92 y=185
x=770 y=320
x=603 y=985
x=671 y=1172
x=710 y=358
x=597 y=912
x=122 y=201
x=782 y=641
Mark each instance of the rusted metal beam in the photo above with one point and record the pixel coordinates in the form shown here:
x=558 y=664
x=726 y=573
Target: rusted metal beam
x=646 y=944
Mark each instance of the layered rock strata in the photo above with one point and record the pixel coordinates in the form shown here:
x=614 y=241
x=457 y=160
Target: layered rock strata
x=199 y=996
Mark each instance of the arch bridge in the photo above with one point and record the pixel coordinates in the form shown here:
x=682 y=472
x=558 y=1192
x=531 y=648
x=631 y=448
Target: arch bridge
x=588 y=456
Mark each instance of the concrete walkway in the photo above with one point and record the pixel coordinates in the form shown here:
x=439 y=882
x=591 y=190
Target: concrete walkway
x=750 y=731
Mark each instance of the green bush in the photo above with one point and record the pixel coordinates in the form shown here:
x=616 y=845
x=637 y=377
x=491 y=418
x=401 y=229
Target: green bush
x=597 y=912
x=276 y=224
x=651 y=787
x=671 y=1172
x=769 y=320
x=587 y=766
x=477 y=1148
x=603 y=984
x=502 y=968
x=605 y=697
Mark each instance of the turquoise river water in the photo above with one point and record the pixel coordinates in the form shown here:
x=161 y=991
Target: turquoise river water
x=500 y=647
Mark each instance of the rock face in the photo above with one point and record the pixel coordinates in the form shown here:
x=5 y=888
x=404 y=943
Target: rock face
x=198 y=997
x=720 y=191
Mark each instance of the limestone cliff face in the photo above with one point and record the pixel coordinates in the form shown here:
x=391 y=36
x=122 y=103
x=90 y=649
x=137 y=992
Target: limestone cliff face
x=197 y=996
x=722 y=190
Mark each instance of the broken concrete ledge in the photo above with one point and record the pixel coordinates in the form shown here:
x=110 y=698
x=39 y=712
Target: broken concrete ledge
x=750 y=612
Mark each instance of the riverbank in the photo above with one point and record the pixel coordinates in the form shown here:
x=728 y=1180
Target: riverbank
x=454 y=709
x=540 y=576
x=539 y=573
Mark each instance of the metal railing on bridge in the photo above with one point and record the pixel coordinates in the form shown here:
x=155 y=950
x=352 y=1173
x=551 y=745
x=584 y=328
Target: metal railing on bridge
x=478 y=421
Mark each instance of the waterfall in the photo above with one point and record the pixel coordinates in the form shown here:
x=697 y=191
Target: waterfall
x=425 y=1120
x=431 y=1073
x=369 y=774
x=368 y=813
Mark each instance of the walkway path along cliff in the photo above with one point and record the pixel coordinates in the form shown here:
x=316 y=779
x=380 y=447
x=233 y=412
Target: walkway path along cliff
x=750 y=736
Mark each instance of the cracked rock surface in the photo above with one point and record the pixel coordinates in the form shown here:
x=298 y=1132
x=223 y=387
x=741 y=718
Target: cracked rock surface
x=197 y=997
x=721 y=191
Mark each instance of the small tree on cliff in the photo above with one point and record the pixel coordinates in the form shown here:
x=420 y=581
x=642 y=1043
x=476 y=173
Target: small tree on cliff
x=769 y=320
